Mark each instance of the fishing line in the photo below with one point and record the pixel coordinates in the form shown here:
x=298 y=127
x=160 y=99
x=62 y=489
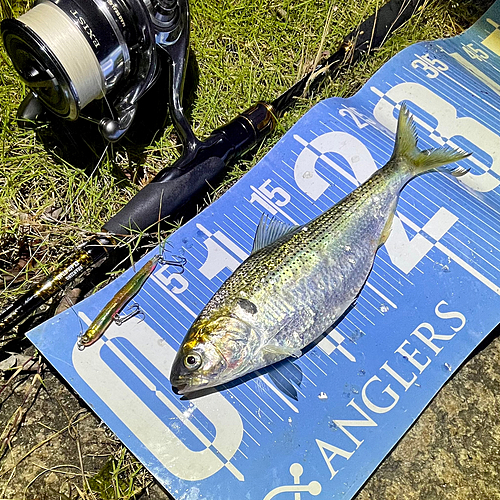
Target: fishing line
x=90 y=119
x=70 y=47
x=75 y=313
x=108 y=104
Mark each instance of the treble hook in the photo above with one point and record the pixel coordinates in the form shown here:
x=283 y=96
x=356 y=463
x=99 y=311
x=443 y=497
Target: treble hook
x=135 y=310
x=180 y=263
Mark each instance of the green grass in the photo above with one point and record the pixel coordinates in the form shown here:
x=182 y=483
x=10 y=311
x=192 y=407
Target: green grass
x=246 y=50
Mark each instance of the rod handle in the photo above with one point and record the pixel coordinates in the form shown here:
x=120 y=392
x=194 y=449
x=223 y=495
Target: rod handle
x=156 y=200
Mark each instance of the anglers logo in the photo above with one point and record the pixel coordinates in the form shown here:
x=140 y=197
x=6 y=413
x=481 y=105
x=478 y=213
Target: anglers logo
x=296 y=470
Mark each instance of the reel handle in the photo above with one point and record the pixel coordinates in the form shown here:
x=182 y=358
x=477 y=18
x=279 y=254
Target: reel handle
x=175 y=44
x=169 y=31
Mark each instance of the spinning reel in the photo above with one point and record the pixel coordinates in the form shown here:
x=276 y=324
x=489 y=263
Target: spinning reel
x=73 y=52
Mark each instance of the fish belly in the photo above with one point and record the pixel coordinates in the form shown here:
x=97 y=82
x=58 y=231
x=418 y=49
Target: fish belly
x=327 y=274
x=317 y=300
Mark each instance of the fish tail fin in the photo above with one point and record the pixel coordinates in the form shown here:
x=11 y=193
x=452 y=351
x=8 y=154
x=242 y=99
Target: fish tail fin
x=424 y=161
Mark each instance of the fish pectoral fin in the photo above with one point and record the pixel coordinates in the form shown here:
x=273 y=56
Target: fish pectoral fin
x=280 y=352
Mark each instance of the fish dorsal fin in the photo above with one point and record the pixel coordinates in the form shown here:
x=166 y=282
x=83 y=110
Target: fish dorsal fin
x=406 y=135
x=268 y=231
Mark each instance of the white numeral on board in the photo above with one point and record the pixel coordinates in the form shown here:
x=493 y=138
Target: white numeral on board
x=448 y=126
x=161 y=441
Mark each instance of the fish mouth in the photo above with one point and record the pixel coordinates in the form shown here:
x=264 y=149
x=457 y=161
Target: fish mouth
x=179 y=388
x=178 y=385
x=182 y=387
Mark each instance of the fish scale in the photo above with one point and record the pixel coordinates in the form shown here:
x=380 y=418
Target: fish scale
x=311 y=265
x=299 y=280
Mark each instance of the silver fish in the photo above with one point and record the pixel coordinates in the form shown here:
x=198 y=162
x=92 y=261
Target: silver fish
x=299 y=280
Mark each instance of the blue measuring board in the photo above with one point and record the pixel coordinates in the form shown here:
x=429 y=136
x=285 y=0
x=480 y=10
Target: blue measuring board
x=431 y=298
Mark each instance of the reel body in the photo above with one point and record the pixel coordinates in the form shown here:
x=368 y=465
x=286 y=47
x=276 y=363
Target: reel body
x=72 y=52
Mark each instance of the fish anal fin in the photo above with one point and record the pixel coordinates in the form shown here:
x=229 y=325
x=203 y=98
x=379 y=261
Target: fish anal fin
x=387 y=229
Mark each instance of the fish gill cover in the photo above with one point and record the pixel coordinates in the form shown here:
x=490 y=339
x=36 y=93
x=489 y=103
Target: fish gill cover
x=432 y=296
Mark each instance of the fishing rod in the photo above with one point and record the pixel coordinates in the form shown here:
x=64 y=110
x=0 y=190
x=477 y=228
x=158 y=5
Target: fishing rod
x=203 y=161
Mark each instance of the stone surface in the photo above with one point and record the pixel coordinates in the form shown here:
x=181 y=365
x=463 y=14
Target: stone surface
x=452 y=452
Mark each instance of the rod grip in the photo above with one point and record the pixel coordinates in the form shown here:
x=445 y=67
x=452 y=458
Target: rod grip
x=157 y=200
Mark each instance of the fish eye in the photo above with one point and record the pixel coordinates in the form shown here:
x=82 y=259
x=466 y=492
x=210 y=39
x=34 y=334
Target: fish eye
x=192 y=361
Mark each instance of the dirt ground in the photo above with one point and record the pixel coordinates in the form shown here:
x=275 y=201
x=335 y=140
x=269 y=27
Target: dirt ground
x=54 y=447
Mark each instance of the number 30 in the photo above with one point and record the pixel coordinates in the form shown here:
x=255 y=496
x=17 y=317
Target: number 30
x=448 y=126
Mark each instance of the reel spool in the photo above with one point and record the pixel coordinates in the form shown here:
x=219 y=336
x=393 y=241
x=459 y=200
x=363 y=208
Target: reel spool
x=72 y=52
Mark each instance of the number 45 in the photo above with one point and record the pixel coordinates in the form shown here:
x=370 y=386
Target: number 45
x=475 y=53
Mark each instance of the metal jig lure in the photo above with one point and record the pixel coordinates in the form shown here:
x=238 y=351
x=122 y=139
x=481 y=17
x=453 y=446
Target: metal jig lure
x=110 y=312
